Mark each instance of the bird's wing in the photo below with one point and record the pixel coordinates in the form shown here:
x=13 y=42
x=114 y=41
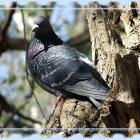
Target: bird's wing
x=66 y=71
x=93 y=86
x=58 y=70
x=92 y=68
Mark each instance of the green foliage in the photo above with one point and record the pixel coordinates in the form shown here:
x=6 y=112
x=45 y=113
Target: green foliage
x=12 y=79
x=33 y=11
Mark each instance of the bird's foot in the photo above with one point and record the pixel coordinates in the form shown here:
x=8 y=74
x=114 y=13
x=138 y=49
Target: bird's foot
x=56 y=103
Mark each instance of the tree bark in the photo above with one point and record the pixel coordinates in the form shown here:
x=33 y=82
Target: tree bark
x=74 y=116
x=115 y=47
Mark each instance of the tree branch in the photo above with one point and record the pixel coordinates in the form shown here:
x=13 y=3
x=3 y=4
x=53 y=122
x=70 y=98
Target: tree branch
x=18 y=44
x=6 y=25
x=79 y=40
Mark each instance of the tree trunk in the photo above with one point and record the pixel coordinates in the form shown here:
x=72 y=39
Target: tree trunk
x=115 y=37
x=115 y=47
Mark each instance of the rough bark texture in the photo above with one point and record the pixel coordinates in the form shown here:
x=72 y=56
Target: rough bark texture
x=115 y=37
x=72 y=113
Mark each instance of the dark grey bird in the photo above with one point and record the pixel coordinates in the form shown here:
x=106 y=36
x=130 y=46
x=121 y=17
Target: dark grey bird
x=60 y=69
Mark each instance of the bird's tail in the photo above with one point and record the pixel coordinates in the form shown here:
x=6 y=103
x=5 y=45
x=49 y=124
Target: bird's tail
x=95 y=102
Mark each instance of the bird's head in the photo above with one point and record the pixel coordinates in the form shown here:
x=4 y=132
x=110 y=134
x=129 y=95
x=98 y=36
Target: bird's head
x=41 y=22
x=41 y=28
x=43 y=31
x=43 y=37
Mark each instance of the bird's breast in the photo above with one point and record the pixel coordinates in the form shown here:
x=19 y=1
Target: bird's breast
x=32 y=52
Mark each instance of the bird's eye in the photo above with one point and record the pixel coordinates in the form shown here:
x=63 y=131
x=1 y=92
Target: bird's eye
x=35 y=26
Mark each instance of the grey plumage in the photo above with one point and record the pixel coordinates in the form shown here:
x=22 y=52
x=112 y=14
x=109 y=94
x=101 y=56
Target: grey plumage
x=60 y=69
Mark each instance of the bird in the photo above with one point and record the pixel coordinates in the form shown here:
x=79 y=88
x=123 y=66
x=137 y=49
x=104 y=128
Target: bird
x=60 y=69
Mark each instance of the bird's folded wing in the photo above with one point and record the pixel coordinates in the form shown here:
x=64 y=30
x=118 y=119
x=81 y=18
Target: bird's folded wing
x=66 y=72
x=76 y=77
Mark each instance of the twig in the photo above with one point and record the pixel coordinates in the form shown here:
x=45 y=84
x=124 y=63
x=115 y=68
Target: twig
x=10 y=108
x=16 y=111
x=27 y=118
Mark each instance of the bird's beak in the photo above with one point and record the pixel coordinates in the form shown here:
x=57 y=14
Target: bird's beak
x=34 y=26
